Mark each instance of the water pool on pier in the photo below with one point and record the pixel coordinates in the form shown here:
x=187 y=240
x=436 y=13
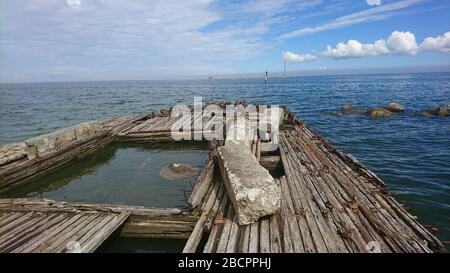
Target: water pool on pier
x=117 y=244
x=122 y=173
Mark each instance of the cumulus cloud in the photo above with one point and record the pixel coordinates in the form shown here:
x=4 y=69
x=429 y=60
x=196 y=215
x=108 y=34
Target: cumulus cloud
x=402 y=43
x=373 y=2
x=297 y=58
x=440 y=43
x=355 y=49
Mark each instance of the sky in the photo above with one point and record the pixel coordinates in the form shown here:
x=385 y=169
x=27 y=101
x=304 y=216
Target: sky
x=72 y=40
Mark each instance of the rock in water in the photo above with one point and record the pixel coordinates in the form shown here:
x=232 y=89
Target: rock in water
x=378 y=113
x=439 y=111
x=348 y=109
x=177 y=171
x=336 y=114
x=252 y=190
x=394 y=107
x=354 y=112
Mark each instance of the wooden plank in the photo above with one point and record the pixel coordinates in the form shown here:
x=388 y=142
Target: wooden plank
x=217 y=226
x=253 y=245
x=25 y=240
x=264 y=236
x=99 y=237
x=197 y=233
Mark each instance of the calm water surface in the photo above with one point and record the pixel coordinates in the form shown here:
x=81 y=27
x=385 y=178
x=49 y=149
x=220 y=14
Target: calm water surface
x=409 y=152
x=121 y=174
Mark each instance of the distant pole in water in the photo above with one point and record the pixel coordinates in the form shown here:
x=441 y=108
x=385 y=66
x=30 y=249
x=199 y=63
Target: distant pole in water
x=284 y=74
x=265 y=78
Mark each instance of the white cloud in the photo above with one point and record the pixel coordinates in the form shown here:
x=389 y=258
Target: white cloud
x=74 y=3
x=373 y=2
x=440 y=43
x=402 y=43
x=355 y=49
x=297 y=58
x=156 y=37
x=368 y=15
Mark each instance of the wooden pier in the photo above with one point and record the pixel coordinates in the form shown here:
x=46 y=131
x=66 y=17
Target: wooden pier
x=27 y=226
x=329 y=201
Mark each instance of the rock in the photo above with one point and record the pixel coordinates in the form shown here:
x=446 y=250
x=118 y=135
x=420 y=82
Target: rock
x=443 y=111
x=354 y=111
x=439 y=111
x=177 y=171
x=252 y=190
x=378 y=113
x=346 y=107
x=425 y=114
x=12 y=152
x=394 y=107
x=336 y=114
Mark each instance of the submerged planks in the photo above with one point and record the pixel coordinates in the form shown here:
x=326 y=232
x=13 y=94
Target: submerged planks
x=60 y=229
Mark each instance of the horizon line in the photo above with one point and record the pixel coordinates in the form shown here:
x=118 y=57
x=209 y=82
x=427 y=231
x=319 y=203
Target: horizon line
x=279 y=74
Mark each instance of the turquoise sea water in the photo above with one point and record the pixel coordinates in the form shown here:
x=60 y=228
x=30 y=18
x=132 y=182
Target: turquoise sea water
x=409 y=152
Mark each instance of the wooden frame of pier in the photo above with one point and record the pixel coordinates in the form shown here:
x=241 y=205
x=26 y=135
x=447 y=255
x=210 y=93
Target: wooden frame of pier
x=330 y=202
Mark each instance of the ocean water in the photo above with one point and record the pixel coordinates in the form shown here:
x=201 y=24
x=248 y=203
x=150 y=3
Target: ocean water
x=409 y=152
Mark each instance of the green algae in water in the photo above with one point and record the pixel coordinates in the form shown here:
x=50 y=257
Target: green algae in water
x=121 y=174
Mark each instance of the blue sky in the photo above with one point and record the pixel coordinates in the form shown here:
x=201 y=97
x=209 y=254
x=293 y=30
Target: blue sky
x=70 y=40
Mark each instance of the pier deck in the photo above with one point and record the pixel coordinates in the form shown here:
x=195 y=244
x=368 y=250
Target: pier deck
x=330 y=202
x=27 y=226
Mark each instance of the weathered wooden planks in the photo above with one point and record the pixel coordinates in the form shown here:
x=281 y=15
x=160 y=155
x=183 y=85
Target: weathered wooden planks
x=330 y=203
x=143 y=222
x=59 y=229
x=23 y=172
